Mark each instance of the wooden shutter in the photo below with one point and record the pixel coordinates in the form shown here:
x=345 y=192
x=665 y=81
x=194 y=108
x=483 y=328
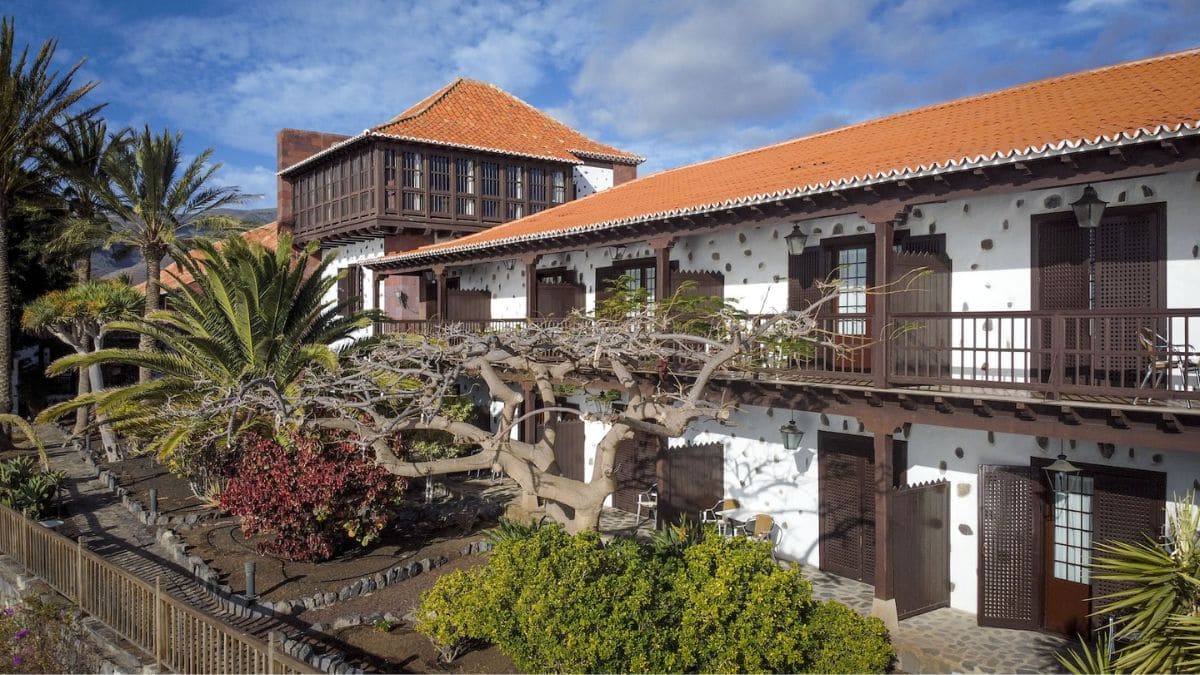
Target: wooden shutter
x=1127 y=507
x=923 y=273
x=846 y=510
x=707 y=284
x=1128 y=277
x=1061 y=279
x=568 y=447
x=1010 y=556
x=691 y=478
x=805 y=273
x=559 y=299
x=463 y=305
x=349 y=288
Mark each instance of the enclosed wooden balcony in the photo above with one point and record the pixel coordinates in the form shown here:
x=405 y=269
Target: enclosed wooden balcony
x=1099 y=356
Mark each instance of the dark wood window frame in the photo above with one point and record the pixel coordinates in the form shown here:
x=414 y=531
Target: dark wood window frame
x=644 y=271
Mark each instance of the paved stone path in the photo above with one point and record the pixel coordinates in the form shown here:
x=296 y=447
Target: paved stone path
x=110 y=530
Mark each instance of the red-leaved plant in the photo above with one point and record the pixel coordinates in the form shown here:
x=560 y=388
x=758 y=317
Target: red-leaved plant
x=316 y=494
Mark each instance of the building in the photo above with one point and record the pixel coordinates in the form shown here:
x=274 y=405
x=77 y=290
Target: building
x=465 y=159
x=1034 y=332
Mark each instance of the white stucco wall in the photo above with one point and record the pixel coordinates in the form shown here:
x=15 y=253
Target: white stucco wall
x=357 y=254
x=591 y=179
x=506 y=286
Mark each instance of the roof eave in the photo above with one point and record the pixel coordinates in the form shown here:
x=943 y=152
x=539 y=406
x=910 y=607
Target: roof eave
x=998 y=158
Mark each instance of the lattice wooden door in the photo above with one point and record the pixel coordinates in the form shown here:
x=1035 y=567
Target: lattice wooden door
x=636 y=469
x=568 y=447
x=1129 y=506
x=1128 y=255
x=1010 y=542
x=1062 y=283
x=846 y=510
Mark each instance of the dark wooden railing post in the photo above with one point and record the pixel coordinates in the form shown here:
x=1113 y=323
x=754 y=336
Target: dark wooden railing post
x=443 y=301
x=879 y=317
x=1058 y=355
x=531 y=285
x=662 y=267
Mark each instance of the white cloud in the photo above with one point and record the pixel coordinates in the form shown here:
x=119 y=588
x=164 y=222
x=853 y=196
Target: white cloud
x=256 y=180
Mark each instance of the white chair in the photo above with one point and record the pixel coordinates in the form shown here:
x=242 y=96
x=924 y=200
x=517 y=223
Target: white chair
x=648 y=501
x=1166 y=359
x=725 y=525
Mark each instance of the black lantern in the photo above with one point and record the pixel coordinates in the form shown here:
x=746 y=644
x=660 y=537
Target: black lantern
x=1089 y=208
x=1057 y=471
x=618 y=251
x=791 y=435
x=796 y=240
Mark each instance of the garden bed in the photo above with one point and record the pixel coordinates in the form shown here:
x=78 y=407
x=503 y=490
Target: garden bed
x=421 y=532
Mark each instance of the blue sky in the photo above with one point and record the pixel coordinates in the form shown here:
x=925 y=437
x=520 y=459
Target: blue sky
x=676 y=82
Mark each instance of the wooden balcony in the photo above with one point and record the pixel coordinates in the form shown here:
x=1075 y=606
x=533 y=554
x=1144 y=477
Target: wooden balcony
x=1102 y=356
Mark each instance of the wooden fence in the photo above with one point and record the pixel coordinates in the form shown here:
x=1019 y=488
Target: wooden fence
x=180 y=638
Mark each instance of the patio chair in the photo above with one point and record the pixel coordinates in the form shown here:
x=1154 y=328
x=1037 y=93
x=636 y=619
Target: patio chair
x=725 y=524
x=762 y=528
x=648 y=501
x=1166 y=359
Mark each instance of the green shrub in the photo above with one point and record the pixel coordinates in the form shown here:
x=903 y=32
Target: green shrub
x=25 y=488
x=555 y=602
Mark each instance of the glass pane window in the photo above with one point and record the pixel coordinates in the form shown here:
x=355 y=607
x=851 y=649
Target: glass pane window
x=1072 y=527
x=852 y=289
x=389 y=167
x=464 y=176
x=537 y=185
x=559 y=194
x=439 y=173
x=514 y=187
x=515 y=210
x=411 y=169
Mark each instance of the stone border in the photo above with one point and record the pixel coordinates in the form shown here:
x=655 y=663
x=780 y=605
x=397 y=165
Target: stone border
x=109 y=480
x=379 y=580
x=330 y=662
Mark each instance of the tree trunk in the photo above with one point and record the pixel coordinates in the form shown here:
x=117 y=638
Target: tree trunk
x=83 y=269
x=6 y=354
x=81 y=415
x=153 y=269
x=107 y=437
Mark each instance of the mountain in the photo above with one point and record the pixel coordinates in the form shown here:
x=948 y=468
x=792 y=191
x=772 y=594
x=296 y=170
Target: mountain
x=118 y=261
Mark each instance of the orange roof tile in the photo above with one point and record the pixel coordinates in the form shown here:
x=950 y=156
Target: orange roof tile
x=480 y=116
x=267 y=235
x=475 y=114
x=1111 y=105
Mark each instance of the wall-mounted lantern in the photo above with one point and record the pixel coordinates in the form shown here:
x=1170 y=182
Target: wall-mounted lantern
x=1058 y=468
x=791 y=435
x=510 y=264
x=1089 y=208
x=797 y=240
x=618 y=251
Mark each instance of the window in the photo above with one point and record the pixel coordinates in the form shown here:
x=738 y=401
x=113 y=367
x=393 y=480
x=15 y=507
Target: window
x=439 y=184
x=559 y=193
x=410 y=171
x=852 y=292
x=464 y=185
x=1073 y=527
x=537 y=185
x=489 y=188
x=641 y=273
x=513 y=188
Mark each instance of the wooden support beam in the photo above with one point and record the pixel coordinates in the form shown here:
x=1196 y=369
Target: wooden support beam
x=981 y=408
x=1170 y=147
x=942 y=405
x=1118 y=419
x=1023 y=168
x=1117 y=152
x=1025 y=412
x=1069 y=416
x=1171 y=423
x=884 y=603
x=907 y=402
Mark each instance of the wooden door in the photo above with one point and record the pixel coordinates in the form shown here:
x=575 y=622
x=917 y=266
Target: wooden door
x=1010 y=547
x=568 y=447
x=636 y=469
x=1067 y=527
x=691 y=478
x=1130 y=250
x=919 y=536
x=922 y=274
x=846 y=505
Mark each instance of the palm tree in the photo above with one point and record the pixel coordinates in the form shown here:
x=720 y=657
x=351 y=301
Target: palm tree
x=251 y=316
x=77 y=158
x=34 y=101
x=160 y=204
x=79 y=316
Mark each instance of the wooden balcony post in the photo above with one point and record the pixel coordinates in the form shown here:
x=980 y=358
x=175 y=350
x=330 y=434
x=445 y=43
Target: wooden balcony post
x=443 y=301
x=662 y=267
x=531 y=285
x=883 y=605
x=1058 y=355
x=884 y=230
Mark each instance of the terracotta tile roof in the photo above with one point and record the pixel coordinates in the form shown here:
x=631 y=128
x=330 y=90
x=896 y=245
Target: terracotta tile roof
x=480 y=116
x=470 y=113
x=267 y=235
x=1108 y=106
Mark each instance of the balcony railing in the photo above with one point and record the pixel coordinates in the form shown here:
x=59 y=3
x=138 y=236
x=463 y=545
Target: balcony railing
x=1100 y=354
